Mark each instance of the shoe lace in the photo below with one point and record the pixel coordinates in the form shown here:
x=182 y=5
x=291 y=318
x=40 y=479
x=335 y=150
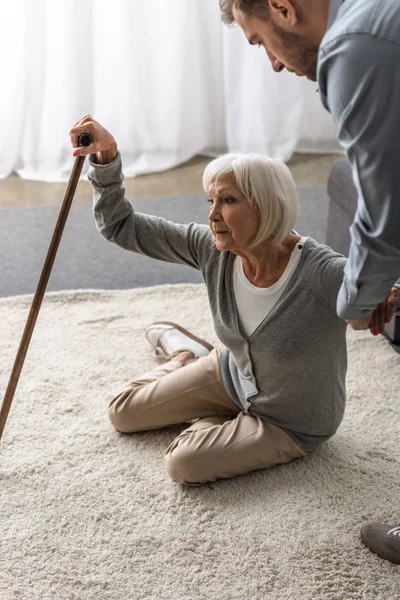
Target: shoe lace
x=161 y=350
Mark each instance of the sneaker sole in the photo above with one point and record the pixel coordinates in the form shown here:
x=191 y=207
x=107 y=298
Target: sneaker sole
x=186 y=332
x=378 y=552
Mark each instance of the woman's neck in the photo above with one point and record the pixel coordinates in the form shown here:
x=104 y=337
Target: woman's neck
x=265 y=264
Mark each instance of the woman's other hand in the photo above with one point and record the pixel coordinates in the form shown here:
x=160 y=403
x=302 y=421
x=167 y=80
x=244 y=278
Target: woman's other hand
x=104 y=145
x=383 y=313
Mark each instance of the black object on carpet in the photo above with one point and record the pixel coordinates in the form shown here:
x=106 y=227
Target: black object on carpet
x=85 y=260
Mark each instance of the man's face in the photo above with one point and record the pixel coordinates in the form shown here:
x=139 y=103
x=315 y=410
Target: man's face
x=285 y=49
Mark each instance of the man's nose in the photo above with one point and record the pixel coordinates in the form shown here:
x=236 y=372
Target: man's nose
x=277 y=65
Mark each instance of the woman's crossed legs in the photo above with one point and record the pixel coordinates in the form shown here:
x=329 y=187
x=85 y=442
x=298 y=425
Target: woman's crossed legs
x=222 y=443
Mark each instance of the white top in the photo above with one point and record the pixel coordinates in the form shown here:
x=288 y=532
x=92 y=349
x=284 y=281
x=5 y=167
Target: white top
x=254 y=303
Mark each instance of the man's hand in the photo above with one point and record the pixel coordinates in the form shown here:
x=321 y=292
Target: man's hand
x=383 y=313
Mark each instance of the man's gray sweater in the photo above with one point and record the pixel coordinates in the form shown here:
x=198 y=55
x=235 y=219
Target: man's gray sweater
x=291 y=371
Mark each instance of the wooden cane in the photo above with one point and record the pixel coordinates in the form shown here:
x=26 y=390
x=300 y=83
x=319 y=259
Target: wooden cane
x=84 y=140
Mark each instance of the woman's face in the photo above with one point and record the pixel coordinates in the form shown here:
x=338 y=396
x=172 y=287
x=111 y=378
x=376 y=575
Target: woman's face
x=232 y=218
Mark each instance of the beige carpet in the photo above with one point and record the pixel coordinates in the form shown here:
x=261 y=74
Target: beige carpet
x=87 y=513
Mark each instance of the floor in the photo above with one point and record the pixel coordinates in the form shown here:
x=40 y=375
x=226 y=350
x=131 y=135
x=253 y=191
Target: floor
x=307 y=169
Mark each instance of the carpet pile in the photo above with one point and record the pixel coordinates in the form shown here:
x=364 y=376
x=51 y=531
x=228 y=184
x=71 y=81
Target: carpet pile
x=88 y=513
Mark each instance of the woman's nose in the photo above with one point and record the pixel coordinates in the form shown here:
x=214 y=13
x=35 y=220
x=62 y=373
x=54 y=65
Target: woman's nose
x=214 y=212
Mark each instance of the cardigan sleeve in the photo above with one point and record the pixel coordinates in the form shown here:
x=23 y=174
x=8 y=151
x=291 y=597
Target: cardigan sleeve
x=145 y=234
x=324 y=273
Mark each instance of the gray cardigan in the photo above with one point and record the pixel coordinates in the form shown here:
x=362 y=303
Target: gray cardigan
x=291 y=371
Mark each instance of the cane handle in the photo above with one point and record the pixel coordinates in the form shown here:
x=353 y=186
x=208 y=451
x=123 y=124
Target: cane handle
x=85 y=139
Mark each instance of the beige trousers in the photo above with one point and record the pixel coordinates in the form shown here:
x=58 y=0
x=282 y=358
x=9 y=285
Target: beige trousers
x=223 y=442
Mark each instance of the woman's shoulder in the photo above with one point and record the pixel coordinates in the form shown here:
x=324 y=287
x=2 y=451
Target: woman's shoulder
x=316 y=253
x=322 y=270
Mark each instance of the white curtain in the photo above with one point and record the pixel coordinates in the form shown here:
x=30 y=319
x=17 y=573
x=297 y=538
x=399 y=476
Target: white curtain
x=166 y=78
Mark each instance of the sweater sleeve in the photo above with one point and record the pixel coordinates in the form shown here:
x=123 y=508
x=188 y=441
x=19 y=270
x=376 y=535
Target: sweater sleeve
x=324 y=272
x=149 y=235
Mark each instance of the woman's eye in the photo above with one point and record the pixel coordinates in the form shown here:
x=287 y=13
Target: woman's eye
x=229 y=200
x=210 y=201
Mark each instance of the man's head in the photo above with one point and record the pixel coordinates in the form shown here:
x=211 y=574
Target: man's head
x=289 y=30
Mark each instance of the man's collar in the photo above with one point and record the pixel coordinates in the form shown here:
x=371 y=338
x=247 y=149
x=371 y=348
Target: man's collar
x=333 y=11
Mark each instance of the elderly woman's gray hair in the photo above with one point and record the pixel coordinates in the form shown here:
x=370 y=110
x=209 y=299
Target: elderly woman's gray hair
x=268 y=185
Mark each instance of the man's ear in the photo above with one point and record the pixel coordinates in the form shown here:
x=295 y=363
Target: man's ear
x=284 y=12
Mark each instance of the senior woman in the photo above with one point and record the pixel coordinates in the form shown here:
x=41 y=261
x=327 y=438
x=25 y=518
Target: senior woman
x=276 y=390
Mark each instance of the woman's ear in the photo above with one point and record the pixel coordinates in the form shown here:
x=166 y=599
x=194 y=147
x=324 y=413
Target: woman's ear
x=284 y=13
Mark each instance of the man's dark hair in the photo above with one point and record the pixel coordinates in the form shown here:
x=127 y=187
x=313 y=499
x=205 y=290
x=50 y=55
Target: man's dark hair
x=258 y=8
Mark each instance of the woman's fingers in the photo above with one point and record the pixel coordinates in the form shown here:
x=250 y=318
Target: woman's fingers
x=77 y=131
x=104 y=145
x=85 y=150
x=81 y=127
x=85 y=125
x=84 y=119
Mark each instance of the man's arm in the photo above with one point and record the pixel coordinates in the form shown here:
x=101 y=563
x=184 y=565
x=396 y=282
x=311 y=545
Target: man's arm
x=359 y=80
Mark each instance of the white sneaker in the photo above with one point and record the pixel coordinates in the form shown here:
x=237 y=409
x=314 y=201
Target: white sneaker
x=169 y=339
